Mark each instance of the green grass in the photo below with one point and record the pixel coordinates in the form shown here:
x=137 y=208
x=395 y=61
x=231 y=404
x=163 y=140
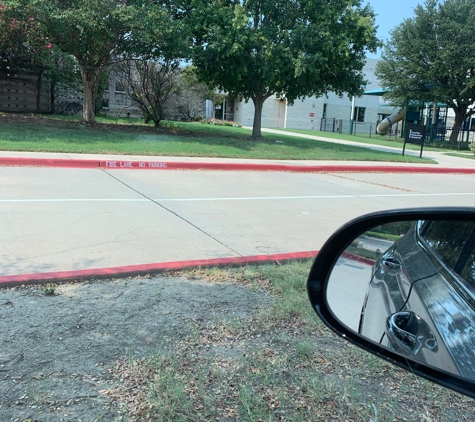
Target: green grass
x=280 y=363
x=129 y=136
x=468 y=156
x=387 y=236
x=385 y=141
x=362 y=252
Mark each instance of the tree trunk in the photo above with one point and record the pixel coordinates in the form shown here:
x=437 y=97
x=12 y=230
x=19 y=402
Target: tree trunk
x=52 y=95
x=459 y=118
x=90 y=78
x=38 y=92
x=258 y=101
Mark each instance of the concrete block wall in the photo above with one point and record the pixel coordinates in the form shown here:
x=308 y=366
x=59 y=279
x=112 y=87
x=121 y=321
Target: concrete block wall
x=371 y=114
x=339 y=111
x=117 y=101
x=244 y=112
x=238 y=110
x=17 y=94
x=305 y=114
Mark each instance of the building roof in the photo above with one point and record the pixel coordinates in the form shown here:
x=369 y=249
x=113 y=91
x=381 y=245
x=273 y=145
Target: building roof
x=378 y=91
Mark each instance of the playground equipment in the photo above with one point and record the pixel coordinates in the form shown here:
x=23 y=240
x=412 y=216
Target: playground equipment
x=384 y=125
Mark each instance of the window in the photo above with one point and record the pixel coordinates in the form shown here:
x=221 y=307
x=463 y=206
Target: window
x=454 y=243
x=119 y=87
x=468 y=271
x=359 y=114
x=324 y=115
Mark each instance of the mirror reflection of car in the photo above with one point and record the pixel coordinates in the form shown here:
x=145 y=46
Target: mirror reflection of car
x=421 y=297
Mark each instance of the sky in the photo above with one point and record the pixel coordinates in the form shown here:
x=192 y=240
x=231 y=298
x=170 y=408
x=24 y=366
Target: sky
x=390 y=14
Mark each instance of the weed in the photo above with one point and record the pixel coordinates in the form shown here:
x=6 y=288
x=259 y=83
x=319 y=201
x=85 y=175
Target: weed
x=305 y=348
x=49 y=290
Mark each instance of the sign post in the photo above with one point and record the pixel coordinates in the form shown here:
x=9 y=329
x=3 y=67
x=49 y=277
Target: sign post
x=415 y=134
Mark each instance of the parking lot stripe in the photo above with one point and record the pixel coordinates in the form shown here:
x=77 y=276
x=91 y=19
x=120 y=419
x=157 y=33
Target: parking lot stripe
x=248 y=198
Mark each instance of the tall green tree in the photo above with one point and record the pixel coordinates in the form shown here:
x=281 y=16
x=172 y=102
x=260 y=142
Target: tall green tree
x=99 y=33
x=431 y=57
x=258 y=48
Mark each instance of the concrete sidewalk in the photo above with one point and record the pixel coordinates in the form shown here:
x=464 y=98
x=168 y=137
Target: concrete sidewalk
x=441 y=157
x=114 y=162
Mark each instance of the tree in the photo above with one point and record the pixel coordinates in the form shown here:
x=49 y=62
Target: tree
x=25 y=53
x=192 y=94
x=64 y=77
x=100 y=32
x=431 y=57
x=258 y=48
x=150 y=85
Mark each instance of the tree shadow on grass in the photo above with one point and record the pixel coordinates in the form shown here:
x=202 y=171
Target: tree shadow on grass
x=33 y=133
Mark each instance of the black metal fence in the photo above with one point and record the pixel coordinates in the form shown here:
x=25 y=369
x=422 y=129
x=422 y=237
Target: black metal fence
x=435 y=136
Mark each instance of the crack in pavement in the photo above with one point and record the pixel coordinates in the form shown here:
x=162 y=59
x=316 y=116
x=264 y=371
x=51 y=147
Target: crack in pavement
x=372 y=183
x=173 y=212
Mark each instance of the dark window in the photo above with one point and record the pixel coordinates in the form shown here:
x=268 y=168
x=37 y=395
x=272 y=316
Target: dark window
x=359 y=114
x=468 y=271
x=454 y=243
x=119 y=87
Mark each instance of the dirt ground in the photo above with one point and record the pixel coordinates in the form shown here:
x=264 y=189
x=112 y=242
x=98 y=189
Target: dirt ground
x=59 y=341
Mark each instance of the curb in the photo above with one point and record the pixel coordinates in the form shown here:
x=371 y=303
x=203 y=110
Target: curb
x=358 y=258
x=164 y=165
x=133 y=270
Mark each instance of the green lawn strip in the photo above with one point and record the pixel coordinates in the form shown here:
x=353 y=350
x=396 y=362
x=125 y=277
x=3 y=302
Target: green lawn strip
x=175 y=139
x=469 y=156
x=387 y=236
x=385 y=141
x=364 y=253
x=279 y=364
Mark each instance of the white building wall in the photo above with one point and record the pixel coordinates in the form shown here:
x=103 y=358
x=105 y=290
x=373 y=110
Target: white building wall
x=368 y=70
x=244 y=112
x=340 y=107
x=307 y=114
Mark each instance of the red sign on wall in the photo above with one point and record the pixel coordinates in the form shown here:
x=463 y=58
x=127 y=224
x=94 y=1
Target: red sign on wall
x=312 y=114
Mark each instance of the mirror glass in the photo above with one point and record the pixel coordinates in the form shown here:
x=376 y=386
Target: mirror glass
x=410 y=286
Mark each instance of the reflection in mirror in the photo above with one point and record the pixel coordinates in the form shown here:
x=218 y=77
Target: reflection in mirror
x=410 y=286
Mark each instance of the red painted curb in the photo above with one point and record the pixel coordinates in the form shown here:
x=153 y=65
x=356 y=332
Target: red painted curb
x=156 y=165
x=130 y=270
x=47 y=162
x=164 y=165
x=358 y=258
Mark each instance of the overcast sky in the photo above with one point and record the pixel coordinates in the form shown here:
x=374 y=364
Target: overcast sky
x=390 y=14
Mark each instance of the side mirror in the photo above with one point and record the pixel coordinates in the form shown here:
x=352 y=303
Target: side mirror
x=401 y=285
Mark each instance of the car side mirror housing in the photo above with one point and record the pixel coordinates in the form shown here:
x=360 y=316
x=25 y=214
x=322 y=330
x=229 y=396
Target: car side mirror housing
x=401 y=285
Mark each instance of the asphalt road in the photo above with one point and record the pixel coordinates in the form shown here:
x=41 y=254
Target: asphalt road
x=55 y=219
x=347 y=289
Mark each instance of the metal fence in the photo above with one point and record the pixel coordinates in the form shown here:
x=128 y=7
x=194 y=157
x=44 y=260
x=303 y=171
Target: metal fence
x=463 y=137
x=364 y=128
x=343 y=126
x=436 y=136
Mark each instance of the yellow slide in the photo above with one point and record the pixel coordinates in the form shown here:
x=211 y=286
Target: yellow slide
x=384 y=125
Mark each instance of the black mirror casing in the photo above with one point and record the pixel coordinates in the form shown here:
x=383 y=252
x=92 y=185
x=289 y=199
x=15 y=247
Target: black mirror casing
x=331 y=252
